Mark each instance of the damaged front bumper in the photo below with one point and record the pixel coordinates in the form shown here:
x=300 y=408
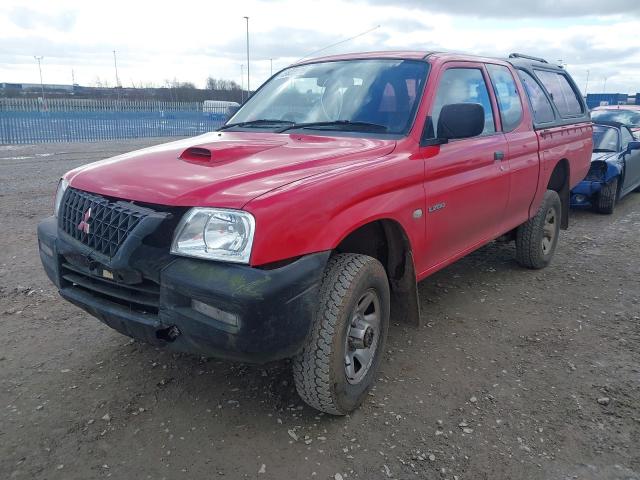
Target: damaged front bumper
x=210 y=308
x=600 y=173
x=582 y=194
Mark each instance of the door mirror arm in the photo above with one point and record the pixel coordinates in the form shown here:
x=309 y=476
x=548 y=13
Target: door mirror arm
x=428 y=136
x=635 y=145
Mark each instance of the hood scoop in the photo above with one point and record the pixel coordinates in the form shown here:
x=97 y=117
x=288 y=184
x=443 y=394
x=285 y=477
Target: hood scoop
x=225 y=151
x=196 y=154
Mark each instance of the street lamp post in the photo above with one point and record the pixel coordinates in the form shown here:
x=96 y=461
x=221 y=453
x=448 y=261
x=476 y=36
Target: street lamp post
x=115 y=65
x=39 y=59
x=248 y=70
x=242 y=83
x=604 y=85
x=586 y=86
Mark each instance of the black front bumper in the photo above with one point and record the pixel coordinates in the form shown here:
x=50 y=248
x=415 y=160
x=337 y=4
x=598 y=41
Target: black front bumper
x=245 y=313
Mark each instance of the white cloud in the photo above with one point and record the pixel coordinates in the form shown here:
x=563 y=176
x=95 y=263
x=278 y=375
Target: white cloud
x=192 y=40
x=515 y=9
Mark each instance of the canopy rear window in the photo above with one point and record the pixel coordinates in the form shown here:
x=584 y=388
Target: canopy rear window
x=562 y=94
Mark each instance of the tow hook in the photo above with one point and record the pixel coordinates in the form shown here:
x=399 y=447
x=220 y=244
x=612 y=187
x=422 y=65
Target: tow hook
x=168 y=334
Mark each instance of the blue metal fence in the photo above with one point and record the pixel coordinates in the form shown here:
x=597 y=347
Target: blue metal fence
x=24 y=121
x=597 y=99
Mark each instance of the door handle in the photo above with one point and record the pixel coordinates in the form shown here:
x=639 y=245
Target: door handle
x=498 y=156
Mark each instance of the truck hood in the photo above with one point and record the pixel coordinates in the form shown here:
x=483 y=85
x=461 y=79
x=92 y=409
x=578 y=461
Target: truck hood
x=223 y=169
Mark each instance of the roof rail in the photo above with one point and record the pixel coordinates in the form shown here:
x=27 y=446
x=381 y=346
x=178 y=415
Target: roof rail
x=528 y=57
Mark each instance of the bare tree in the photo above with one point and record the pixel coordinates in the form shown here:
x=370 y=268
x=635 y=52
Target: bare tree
x=221 y=85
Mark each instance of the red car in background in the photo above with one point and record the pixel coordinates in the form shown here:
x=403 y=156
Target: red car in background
x=625 y=114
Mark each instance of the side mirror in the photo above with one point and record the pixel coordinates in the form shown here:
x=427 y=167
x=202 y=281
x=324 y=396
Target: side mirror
x=633 y=146
x=458 y=120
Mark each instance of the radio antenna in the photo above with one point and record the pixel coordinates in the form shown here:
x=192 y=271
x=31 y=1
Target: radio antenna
x=338 y=43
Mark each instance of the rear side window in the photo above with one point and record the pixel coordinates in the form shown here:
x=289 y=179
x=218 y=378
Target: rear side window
x=507 y=94
x=542 y=109
x=562 y=94
x=464 y=85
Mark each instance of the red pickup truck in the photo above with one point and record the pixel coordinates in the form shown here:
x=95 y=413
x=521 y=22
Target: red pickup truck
x=301 y=226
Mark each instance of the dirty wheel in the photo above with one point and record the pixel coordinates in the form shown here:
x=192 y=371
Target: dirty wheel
x=536 y=239
x=606 y=199
x=337 y=365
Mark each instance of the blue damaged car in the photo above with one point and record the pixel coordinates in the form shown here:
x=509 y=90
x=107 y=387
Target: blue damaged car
x=615 y=168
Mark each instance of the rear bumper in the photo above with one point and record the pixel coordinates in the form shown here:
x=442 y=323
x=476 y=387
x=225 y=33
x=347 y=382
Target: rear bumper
x=243 y=313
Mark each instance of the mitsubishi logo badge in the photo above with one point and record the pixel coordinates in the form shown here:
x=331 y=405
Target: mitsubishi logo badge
x=84 y=224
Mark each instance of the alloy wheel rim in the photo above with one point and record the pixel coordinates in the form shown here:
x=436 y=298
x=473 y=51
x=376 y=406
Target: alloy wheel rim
x=549 y=231
x=362 y=338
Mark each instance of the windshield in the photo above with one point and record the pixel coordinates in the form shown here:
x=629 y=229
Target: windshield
x=384 y=93
x=605 y=139
x=628 y=117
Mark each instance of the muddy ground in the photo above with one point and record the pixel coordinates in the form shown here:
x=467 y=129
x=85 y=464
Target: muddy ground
x=515 y=374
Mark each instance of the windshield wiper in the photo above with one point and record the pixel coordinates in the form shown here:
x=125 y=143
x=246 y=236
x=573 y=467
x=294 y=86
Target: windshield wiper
x=603 y=150
x=338 y=125
x=264 y=122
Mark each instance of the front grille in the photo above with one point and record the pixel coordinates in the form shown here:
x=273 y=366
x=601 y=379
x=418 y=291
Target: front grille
x=100 y=224
x=141 y=297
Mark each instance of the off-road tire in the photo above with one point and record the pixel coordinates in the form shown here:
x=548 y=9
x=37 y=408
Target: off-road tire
x=530 y=252
x=319 y=370
x=606 y=198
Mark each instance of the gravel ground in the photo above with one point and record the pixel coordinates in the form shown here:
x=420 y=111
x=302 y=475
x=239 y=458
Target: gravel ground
x=515 y=374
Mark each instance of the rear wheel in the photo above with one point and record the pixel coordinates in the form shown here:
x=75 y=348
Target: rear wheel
x=338 y=363
x=536 y=239
x=606 y=198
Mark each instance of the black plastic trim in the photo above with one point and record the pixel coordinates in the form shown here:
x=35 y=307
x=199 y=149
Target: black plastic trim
x=274 y=308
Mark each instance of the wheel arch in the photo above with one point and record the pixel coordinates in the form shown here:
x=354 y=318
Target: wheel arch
x=386 y=240
x=616 y=169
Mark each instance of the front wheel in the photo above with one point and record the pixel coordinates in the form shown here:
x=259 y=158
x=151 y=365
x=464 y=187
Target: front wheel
x=536 y=239
x=338 y=363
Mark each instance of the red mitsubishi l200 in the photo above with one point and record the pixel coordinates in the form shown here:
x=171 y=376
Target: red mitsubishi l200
x=302 y=225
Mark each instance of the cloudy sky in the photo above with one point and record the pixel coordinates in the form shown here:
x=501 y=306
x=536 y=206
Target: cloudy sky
x=190 y=40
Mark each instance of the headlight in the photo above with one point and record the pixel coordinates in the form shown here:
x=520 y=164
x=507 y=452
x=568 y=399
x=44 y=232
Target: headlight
x=62 y=187
x=215 y=234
